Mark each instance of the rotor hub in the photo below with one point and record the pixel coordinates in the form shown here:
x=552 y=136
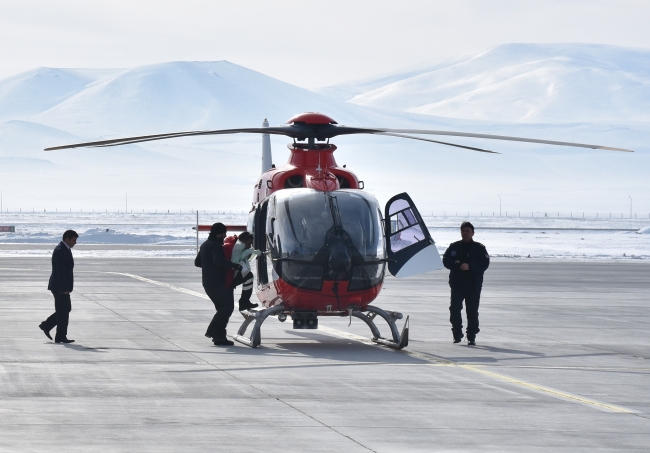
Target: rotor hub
x=311 y=118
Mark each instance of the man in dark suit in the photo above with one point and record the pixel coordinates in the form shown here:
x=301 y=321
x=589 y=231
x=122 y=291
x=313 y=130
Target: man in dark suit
x=61 y=283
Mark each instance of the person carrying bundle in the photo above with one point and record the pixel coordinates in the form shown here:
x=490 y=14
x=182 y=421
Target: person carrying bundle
x=214 y=275
x=242 y=253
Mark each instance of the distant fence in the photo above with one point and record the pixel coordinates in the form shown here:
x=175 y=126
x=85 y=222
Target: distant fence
x=540 y=214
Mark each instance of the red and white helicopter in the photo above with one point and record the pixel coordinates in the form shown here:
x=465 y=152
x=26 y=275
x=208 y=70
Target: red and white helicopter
x=326 y=243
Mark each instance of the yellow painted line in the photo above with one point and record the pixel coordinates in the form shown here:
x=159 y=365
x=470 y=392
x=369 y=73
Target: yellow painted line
x=547 y=390
x=438 y=361
x=577 y=368
x=477 y=369
x=341 y=334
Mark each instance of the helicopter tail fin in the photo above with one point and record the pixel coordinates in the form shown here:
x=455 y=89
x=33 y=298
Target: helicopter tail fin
x=267 y=156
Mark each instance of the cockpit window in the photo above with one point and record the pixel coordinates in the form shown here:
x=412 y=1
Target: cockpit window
x=303 y=219
x=306 y=223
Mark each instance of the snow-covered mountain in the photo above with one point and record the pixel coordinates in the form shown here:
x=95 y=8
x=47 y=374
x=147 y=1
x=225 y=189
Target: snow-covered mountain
x=535 y=83
x=37 y=90
x=49 y=107
x=161 y=98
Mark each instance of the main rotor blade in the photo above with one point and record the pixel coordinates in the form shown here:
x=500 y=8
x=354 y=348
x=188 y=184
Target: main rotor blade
x=436 y=141
x=282 y=130
x=503 y=137
x=322 y=132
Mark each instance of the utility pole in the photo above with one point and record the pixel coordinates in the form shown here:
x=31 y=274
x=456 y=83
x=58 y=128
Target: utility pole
x=499 y=205
x=630 y=206
x=126 y=203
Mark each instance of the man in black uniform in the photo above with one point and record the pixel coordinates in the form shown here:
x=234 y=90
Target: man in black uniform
x=467 y=261
x=61 y=283
x=214 y=266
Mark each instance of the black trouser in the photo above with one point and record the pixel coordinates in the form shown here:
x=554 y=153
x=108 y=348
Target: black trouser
x=246 y=288
x=224 y=302
x=471 y=297
x=60 y=317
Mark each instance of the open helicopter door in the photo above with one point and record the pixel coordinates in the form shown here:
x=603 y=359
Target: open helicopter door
x=411 y=250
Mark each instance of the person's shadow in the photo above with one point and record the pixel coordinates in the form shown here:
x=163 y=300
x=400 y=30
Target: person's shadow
x=81 y=348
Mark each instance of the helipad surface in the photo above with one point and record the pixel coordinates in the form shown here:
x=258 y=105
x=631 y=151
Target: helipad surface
x=561 y=365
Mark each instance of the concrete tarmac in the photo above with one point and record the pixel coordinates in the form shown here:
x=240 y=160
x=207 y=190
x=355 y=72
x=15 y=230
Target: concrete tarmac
x=561 y=365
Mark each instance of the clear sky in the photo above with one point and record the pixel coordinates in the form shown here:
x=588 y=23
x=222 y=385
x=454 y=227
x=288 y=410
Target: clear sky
x=308 y=43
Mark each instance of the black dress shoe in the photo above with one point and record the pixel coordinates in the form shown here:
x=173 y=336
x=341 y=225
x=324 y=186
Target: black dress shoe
x=222 y=342
x=45 y=331
x=471 y=342
x=64 y=340
x=247 y=306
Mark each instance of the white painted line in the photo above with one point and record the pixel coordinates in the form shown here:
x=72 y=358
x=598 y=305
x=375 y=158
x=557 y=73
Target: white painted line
x=166 y=285
x=15 y=269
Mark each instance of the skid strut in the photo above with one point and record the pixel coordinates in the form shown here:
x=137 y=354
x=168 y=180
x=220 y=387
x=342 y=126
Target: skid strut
x=258 y=317
x=399 y=341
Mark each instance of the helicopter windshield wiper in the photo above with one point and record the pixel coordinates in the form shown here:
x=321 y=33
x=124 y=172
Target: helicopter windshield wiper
x=336 y=215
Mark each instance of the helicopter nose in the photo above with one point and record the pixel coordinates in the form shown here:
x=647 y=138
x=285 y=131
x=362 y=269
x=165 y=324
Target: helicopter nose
x=339 y=259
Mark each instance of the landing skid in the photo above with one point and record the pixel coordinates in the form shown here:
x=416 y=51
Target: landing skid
x=399 y=340
x=258 y=316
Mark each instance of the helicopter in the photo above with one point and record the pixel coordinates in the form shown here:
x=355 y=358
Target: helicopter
x=326 y=244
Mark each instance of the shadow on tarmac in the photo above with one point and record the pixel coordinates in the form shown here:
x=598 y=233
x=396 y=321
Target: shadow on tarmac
x=80 y=348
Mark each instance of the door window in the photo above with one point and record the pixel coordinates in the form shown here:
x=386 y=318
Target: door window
x=411 y=249
x=260 y=244
x=404 y=226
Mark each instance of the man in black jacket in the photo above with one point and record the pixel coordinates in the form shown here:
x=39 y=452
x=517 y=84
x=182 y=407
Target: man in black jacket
x=214 y=266
x=61 y=283
x=467 y=261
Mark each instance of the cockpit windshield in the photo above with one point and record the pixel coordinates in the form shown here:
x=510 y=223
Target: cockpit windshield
x=304 y=217
x=315 y=236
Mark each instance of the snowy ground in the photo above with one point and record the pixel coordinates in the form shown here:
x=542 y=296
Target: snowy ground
x=551 y=238
x=171 y=235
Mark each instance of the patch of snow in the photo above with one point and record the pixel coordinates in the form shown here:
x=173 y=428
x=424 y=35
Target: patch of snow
x=505 y=238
